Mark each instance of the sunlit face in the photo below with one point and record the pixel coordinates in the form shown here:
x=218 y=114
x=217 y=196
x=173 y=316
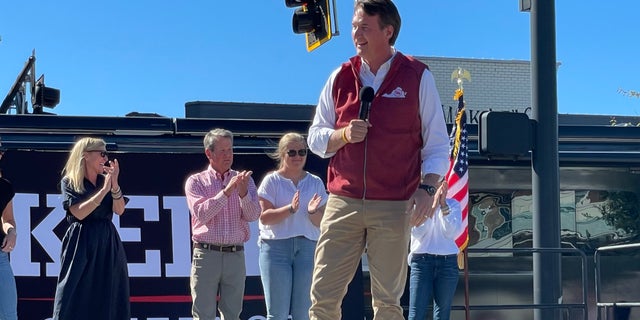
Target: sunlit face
x=371 y=41
x=221 y=157
x=292 y=158
x=95 y=160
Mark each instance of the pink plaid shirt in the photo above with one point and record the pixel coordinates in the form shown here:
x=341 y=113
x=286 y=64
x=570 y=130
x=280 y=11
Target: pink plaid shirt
x=214 y=217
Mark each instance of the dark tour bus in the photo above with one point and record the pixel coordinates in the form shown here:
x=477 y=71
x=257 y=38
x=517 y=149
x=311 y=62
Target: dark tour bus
x=599 y=182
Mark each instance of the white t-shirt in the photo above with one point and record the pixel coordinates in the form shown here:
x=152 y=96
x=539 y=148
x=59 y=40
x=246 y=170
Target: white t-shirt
x=279 y=191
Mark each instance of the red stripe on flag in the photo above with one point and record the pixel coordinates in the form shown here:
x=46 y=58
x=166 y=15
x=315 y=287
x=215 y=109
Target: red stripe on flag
x=458 y=174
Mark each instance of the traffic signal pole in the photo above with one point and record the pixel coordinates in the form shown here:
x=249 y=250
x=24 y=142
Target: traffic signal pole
x=547 y=286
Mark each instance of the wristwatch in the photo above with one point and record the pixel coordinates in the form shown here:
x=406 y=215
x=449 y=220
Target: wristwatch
x=445 y=210
x=431 y=190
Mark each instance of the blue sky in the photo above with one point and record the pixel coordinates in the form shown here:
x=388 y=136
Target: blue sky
x=109 y=58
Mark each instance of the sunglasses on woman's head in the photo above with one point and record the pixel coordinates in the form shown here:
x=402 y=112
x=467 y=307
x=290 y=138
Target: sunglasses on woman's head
x=301 y=152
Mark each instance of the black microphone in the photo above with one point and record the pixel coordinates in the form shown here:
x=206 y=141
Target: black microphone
x=366 y=96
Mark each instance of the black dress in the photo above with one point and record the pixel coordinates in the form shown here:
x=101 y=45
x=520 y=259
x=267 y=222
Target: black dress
x=6 y=195
x=93 y=281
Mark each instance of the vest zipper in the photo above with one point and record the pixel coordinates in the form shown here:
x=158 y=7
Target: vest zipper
x=364 y=171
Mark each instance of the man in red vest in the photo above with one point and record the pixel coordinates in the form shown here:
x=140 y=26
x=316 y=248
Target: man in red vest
x=383 y=170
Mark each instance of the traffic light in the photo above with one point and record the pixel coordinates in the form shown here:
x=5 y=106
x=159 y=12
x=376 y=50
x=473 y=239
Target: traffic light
x=313 y=19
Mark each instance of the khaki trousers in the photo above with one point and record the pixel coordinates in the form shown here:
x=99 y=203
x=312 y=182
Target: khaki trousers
x=348 y=226
x=214 y=272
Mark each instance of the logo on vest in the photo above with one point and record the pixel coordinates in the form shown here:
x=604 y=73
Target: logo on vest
x=396 y=93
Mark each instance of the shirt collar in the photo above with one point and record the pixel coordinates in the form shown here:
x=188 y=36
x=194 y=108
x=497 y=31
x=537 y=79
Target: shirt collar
x=219 y=175
x=384 y=67
x=374 y=80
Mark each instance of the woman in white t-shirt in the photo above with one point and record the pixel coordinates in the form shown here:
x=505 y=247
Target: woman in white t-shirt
x=292 y=202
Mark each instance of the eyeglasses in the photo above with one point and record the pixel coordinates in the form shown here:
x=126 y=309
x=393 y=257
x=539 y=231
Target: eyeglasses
x=301 y=152
x=103 y=154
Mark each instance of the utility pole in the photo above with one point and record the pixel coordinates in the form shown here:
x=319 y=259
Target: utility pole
x=545 y=182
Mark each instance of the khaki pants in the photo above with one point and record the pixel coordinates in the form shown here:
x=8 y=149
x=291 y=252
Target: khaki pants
x=213 y=272
x=347 y=227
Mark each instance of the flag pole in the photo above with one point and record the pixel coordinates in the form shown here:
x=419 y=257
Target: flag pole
x=459 y=75
x=467 y=314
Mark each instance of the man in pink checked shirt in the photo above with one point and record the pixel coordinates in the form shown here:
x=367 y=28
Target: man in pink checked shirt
x=222 y=202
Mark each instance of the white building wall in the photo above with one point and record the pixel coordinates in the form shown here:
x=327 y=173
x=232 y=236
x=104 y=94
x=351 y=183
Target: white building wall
x=498 y=85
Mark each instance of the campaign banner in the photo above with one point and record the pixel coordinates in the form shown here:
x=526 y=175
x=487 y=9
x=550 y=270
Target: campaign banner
x=155 y=231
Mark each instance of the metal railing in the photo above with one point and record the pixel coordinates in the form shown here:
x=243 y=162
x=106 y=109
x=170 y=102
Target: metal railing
x=605 y=305
x=569 y=306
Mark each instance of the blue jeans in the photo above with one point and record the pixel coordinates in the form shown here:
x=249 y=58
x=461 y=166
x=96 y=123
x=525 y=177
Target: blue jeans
x=432 y=278
x=8 y=295
x=286 y=267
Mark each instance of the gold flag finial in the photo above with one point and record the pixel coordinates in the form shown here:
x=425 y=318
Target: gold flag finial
x=460 y=75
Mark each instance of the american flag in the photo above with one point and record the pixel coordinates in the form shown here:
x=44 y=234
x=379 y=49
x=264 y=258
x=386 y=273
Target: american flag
x=457 y=176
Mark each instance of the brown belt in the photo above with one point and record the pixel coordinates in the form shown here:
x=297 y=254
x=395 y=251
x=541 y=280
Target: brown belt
x=214 y=247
